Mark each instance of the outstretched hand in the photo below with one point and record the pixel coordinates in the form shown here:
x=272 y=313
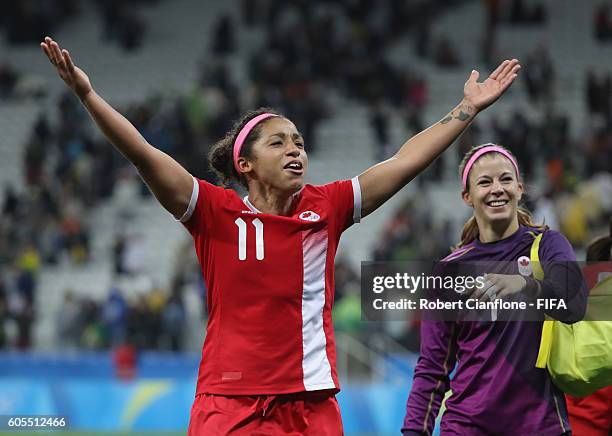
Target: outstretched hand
x=73 y=76
x=483 y=94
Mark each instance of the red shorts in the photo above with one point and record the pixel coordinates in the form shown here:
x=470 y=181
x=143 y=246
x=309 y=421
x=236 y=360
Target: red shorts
x=305 y=413
x=591 y=415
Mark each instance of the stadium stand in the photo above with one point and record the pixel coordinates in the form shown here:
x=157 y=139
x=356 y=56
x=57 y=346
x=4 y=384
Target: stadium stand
x=185 y=70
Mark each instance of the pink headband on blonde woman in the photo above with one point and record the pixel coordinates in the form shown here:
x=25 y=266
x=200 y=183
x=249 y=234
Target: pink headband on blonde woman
x=483 y=150
x=244 y=132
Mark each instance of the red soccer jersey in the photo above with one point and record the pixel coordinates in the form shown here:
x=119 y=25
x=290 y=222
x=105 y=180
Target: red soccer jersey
x=270 y=282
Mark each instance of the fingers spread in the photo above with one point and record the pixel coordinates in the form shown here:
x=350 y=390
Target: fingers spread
x=507 y=81
x=45 y=49
x=57 y=54
x=52 y=52
x=515 y=70
x=495 y=73
x=507 y=70
x=504 y=72
x=68 y=60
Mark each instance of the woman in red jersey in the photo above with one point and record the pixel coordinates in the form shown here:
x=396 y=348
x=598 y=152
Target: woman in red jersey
x=268 y=364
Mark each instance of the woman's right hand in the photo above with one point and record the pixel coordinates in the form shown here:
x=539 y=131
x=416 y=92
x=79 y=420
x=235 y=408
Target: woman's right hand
x=498 y=286
x=73 y=76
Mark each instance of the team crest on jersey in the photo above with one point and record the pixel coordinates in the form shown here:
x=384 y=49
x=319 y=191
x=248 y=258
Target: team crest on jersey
x=524 y=266
x=309 y=216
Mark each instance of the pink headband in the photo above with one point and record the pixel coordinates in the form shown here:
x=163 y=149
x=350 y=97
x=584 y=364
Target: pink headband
x=480 y=152
x=244 y=132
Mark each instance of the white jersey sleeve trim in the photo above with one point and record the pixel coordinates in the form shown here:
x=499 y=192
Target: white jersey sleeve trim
x=192 y=202
x=356 y=199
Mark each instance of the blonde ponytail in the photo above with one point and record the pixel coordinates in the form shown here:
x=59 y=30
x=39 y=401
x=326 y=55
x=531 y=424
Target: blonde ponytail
x=525 y=219
x=469 y=232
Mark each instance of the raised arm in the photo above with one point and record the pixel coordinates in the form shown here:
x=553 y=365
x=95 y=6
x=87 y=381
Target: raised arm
x=170 y=182
x=383 y=180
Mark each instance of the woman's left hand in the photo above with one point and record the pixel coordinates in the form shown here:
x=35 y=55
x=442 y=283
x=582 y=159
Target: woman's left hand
x=500 y=286
x=481 y=95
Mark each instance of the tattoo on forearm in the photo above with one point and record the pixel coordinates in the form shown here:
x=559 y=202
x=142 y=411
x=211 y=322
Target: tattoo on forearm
x=465 y=113
x=467 y=108
x=462 y=116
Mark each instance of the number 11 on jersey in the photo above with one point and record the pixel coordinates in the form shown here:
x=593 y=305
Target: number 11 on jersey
x=242 y=238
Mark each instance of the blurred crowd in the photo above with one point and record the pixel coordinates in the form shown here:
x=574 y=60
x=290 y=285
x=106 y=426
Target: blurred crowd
x=153 y=320
x=602 y=22
x=28 y=21
x=318 y=47
x=9 y=77
x=122 y=22
x=31 y=20
x=46 y=221
x=69 y=170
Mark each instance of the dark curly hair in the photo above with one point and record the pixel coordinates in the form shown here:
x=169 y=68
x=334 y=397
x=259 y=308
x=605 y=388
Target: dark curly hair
x=221 y=157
